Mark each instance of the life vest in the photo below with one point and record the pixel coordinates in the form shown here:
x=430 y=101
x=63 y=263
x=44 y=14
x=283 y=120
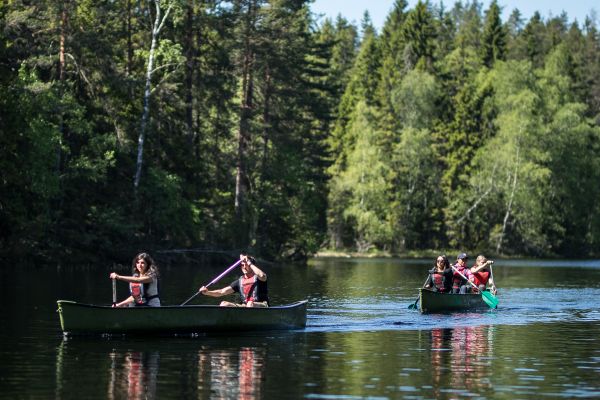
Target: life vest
x=457 y=280
x=139 y=293
x=480 y=278
x=438 y=280
x=252 y=293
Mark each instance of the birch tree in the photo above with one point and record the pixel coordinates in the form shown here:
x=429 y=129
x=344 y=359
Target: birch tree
x=156 y=27
x=506 y=194
x=366 y=180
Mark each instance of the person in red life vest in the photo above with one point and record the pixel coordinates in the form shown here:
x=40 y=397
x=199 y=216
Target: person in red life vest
x=143 y=284
x=440 y=276
x=460 y=284
x=481 y=274
x=252 y=286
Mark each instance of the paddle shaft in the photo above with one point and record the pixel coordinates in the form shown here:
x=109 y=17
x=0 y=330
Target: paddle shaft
x=414 y=305
x=114 y=285
x=464 y=277
x=213 y=281
x=223 y=273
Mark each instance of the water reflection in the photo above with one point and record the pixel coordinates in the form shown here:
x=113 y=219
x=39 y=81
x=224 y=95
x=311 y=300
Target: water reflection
x=133 y=369
x=231 y=373
x=459 y=358
x=133 y=373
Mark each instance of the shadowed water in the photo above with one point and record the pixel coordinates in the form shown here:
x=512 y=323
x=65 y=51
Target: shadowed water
x=361 y=340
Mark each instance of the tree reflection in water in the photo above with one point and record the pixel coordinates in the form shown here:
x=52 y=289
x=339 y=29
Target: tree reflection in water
x=460 y=358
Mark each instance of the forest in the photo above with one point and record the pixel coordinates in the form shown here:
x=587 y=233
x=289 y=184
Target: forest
x=256 y=125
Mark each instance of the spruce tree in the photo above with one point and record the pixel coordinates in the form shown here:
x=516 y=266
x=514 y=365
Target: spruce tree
x=493 y=40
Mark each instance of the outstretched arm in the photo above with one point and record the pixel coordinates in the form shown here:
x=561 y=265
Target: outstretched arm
x=132 y=279
x=482 y=266
x=217 y=292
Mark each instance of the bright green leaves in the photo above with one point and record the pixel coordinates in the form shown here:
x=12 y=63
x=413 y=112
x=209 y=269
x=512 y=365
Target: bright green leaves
x=365 y=180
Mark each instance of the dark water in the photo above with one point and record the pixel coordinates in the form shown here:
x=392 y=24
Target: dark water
x=361 y=340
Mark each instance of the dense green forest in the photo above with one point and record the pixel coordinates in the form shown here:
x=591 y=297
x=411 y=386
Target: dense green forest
x=253 y=124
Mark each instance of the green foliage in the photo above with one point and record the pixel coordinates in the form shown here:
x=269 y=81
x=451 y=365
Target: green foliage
x=493 y=41
x=365 y=180
x=419 y=34
x=415 y=100
x=448 y=129
x=30 y=145
x=361 y=86
x=415 y=193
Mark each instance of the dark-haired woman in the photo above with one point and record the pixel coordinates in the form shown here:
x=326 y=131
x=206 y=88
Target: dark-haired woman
x=440 y=276
x=143 y=284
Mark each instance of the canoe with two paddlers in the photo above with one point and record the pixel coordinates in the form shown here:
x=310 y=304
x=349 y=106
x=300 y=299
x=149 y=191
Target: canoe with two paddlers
x=78 y=318
x=435 y=302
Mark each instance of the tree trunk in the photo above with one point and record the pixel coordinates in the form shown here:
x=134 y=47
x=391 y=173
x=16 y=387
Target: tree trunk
x=190 y=55
x=156 y=28
x=61 y=53
x=244 y=134
x=64 y=19
x=129 y=64
x=509 y=206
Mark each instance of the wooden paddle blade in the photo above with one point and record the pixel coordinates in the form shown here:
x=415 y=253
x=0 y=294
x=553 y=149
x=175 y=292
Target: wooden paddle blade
x=490 y=299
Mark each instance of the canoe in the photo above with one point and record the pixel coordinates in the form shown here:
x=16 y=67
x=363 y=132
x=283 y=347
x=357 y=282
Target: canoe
x=77 y=318
x=436 y=302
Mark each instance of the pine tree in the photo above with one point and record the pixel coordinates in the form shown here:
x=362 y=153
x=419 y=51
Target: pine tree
x=493 y=40
x=419 y=35
x=392 y=48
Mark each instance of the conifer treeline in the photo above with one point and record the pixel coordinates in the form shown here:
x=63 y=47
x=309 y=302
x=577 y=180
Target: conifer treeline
x=459 y=130
x=244 y=124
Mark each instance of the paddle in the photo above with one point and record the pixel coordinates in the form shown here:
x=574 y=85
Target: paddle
x=114 y=284
x=213 y=281
x=488 y=298
x=492 y=275
x=413 y=306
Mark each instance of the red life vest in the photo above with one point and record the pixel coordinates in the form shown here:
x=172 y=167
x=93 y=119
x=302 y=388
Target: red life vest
x=481 y=277
x=137 y=291
x=248 y=292
x=458 y=280
x=438 y=281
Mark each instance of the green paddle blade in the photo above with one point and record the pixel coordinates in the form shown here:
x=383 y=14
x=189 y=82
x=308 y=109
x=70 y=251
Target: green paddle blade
x=413 y=305
x=490 y=299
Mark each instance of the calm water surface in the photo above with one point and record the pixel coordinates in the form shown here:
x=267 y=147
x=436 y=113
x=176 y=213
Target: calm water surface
x=361 y=340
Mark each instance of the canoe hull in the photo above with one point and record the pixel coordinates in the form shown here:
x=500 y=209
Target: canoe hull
x=435 y=302
x=78 y=318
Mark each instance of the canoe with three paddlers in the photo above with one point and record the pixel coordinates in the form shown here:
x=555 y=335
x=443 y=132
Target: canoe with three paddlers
x=78 y=318
x=431 y=301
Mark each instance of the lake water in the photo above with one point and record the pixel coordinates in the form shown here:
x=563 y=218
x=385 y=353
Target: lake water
x=361 y=340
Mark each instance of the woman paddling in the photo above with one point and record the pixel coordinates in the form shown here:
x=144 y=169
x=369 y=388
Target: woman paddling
x=481 y=274
x=143 y=284
x=440 y=276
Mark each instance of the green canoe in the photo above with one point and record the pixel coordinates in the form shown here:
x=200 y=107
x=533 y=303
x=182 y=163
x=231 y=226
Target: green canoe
x=78 y=318
x=435 y=302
